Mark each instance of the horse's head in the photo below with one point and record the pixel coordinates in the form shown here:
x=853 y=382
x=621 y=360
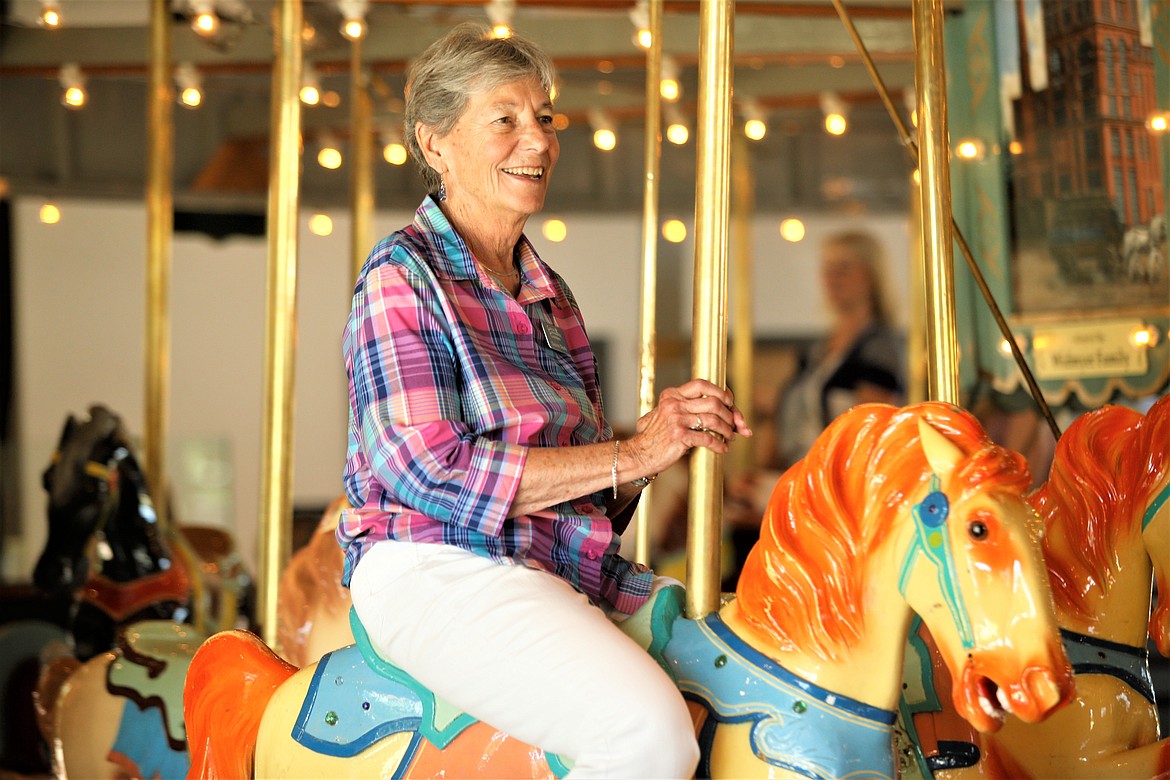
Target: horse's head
x=82 y=483
x=974 y=571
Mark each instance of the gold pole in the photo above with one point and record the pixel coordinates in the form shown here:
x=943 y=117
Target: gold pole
x=743 y=206
x=916 y=371
x=361 y=183
x=647 y=352
x=934 y=166
x=159 y=233
x=709 y=346
x=279 y=358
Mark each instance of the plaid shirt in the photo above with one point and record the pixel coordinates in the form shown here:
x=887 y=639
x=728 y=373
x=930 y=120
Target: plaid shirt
x=451 y=380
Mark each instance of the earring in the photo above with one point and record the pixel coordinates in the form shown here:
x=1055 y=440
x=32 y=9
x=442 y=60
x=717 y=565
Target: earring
x=442 y=189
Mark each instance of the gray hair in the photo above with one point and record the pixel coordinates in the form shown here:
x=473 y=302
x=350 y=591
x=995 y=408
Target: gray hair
x=465 y=61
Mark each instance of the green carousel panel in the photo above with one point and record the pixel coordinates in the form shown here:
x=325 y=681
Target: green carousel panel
x=1058 y=117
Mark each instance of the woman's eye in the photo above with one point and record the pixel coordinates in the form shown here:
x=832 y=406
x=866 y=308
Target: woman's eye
x=546 y=120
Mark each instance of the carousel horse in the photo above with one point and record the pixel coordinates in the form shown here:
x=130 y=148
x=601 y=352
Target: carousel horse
x=1106 y=511
x=312 y=606
x=893 y=512
x=142 y=598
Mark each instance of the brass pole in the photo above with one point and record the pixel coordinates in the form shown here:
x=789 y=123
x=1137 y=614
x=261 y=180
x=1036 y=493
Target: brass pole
x=647 y=347
x=934 y=166
x=361 y=183
x=159 y=233
x=964 y=248
x=280 y=331
x=743 y=206
x=916 y=371
x=709 y=346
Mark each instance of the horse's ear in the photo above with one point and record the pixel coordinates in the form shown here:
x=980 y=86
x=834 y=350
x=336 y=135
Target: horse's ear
x=941 y=453
x=67 y=430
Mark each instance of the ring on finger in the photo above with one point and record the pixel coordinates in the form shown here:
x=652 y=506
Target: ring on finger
x=698 y=426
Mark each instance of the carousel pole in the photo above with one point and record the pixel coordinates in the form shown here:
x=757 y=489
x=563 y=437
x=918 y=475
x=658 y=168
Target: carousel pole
x=159 y=235
x=279 y=362
x=361 y=183
x=709 y=345
x=942 y=374
x=647 y=348
x=743 y=206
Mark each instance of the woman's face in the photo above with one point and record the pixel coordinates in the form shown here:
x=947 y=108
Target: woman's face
x=846 y=278
x=499 y=155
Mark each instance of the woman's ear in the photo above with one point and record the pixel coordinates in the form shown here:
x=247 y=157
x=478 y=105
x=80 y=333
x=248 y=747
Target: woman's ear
x=429 y=143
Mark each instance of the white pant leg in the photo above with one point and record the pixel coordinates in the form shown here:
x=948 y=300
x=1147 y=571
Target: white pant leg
x=522 y=650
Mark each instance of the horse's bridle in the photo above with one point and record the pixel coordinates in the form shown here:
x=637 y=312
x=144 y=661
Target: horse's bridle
x=1155 y=505
x=932 y=540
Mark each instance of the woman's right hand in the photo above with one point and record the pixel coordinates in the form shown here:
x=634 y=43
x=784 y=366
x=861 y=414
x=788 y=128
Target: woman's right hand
x=695 y=414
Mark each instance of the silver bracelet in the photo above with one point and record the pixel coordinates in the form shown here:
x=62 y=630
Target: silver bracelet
x=613 y=469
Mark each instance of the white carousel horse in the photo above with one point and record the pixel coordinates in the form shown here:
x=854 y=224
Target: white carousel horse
x=893 y=512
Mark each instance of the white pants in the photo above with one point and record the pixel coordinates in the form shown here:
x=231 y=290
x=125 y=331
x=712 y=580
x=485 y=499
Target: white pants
x=520 y=649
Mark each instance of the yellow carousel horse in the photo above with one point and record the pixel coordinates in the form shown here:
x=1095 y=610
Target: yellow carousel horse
x=893 y=512
x=1107 y=537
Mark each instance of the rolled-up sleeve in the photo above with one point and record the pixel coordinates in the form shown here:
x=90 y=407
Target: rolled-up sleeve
x=405 y=378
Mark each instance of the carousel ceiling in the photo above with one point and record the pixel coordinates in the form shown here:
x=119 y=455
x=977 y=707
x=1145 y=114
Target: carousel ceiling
x=792 y=60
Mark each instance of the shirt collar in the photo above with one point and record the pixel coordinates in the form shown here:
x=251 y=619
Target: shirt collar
x=452 y=259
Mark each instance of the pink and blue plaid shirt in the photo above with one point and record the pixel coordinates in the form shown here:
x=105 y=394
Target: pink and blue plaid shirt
x=451 y=381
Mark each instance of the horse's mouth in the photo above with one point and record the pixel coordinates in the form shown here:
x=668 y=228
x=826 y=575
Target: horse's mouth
x=992 y=699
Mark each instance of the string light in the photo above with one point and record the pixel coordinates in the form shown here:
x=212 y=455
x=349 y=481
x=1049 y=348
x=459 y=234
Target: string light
x=792 y=229
x=677 y=131
x=321 y=224
x=49 y=214
x=554 y=230
x=669 y=87
x=204 y=20
x=1158 y=123
x=755 y=126
x=1015 y=147
x=499 y=13
x=393 y=150
x=834 y=111
x=310 y=86
x=674 y=231
x=604 y=135
x=50 y=16
x=190 y=85
x=353 y=18
x=640 y=17
x=73 y=83
x=970 y=149
x=329 y=156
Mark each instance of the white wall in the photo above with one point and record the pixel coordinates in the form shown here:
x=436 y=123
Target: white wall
x=80 y=324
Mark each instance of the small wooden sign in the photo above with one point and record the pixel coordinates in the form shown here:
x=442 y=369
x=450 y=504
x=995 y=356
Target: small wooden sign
x=1104 y=348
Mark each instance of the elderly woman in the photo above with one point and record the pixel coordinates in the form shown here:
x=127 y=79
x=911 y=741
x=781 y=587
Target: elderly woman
x=489 y=491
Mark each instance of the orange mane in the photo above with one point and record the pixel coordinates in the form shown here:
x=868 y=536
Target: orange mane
x=802 y=583
x=1106 y=470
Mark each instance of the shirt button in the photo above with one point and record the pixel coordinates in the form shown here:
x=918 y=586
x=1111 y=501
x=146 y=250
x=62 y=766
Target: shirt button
x=522 y=325
x=591 y=555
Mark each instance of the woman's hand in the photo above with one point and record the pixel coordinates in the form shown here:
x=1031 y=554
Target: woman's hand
x=696 y=414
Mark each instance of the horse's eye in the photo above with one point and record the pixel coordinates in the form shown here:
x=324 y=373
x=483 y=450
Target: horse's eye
x=977 y=530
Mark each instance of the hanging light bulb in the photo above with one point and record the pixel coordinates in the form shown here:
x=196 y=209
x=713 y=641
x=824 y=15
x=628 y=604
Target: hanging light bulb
x=677 y=131
x=353 y=18
x=755 y=125
x=73 y=84
x=669 y=87
x=604 y=135
x=834 y=110
x=204 y=19
x=310 y=86
x=190 y=85
x=640 y=17
x=499 y=13
x=393 y=150
x=50 y=16
x=329 y=155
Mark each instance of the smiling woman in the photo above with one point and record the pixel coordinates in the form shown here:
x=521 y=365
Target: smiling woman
x=478 y=438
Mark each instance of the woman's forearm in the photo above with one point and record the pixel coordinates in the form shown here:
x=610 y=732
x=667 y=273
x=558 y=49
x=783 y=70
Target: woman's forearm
x=555 y=474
